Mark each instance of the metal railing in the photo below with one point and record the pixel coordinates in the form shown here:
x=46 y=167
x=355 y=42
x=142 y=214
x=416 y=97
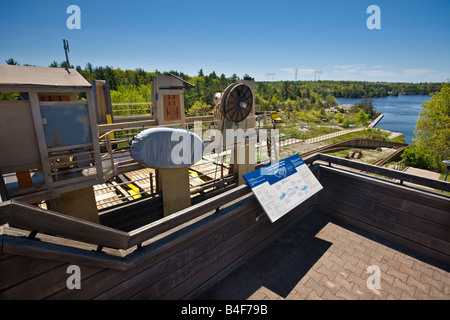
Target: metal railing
x=131 y=108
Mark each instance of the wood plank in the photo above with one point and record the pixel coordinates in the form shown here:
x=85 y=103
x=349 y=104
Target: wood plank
x=160 y=256
x=436 y=184
x=38 y=249
x=362 y=191
x=347 y=182
x=397 y=229
x=5 y=211
x=260 y=241
x=45 y=284
x=106 y=196
x=436 y=200
x=184 y=255
x=383 y=211
x=386 y=235
x=40 y=136
x=207 y=259
x=34 y=218
x=142 y=234
x=152 y=291
x=249 y=242
x=417 y=209
x=18 y=269
x=94 y=132
x=366 y=192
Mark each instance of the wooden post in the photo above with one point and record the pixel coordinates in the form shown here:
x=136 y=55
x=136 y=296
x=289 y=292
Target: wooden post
x=175 y=189
x=40 y=136
x=102 y=96
x=247 y=166
x=78 y=203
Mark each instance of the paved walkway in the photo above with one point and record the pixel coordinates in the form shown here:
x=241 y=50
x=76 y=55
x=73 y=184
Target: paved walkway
x=322 y=259
x=332 y=135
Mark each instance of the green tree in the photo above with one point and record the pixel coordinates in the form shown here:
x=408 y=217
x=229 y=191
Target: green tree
x=11 y=61
x=433 y=129
x=89 y=68
x=199 y=109
x=362 y=117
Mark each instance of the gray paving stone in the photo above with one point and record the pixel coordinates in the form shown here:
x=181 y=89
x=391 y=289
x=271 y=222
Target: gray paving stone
x=322 y=259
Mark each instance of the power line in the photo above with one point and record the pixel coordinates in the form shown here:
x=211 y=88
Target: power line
x=317 y=74
x=270 y=76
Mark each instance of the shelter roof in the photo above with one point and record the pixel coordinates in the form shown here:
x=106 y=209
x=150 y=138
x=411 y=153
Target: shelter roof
x=11 y=75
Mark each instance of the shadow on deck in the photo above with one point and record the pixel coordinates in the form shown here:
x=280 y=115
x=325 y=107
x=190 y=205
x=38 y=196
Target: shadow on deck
x=323 y=258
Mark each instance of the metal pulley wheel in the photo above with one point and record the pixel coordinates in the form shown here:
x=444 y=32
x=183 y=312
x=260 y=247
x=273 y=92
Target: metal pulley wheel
x=237 y=102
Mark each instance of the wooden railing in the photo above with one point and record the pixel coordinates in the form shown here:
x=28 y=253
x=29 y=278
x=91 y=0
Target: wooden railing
x=29 y=217
x=37 y=220
x=386 y=172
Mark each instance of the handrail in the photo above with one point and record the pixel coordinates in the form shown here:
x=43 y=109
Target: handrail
x=390 y=173
x=165 y=224
x=130 y=103
x=29 y=217
x=345 y=143
x=26 y=216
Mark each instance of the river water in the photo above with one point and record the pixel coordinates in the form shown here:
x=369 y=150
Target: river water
x=400 y=112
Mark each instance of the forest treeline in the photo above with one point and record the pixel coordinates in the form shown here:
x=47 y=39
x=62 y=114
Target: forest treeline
x=292 y=95
x=295 y=95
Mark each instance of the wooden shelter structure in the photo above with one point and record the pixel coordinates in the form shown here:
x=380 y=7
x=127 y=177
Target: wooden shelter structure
x=48 y=139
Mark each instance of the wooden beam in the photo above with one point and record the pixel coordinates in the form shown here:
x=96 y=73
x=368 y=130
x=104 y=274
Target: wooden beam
x=402 y=176
x=39 y=249
x=34 y=218
x=94 y=135
x=153 y=229
x=40 y=136
x=5 y=212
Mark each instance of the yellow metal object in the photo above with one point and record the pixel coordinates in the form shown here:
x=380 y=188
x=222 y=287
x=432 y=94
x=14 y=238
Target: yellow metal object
x=134 y=191
x=109 y=121
x=275 y=116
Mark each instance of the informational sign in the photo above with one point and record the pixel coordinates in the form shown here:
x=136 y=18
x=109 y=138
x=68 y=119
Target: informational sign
x=283 y=185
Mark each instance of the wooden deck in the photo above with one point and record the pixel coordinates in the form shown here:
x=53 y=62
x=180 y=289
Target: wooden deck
x=182 y=255
x=141 y=182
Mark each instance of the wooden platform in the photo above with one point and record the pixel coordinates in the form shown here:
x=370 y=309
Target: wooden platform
x=132 y=185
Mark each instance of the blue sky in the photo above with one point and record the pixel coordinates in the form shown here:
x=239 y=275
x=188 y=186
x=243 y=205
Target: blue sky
x=265 y=39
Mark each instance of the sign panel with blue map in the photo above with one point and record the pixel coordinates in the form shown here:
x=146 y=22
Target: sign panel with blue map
x=283 y=185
